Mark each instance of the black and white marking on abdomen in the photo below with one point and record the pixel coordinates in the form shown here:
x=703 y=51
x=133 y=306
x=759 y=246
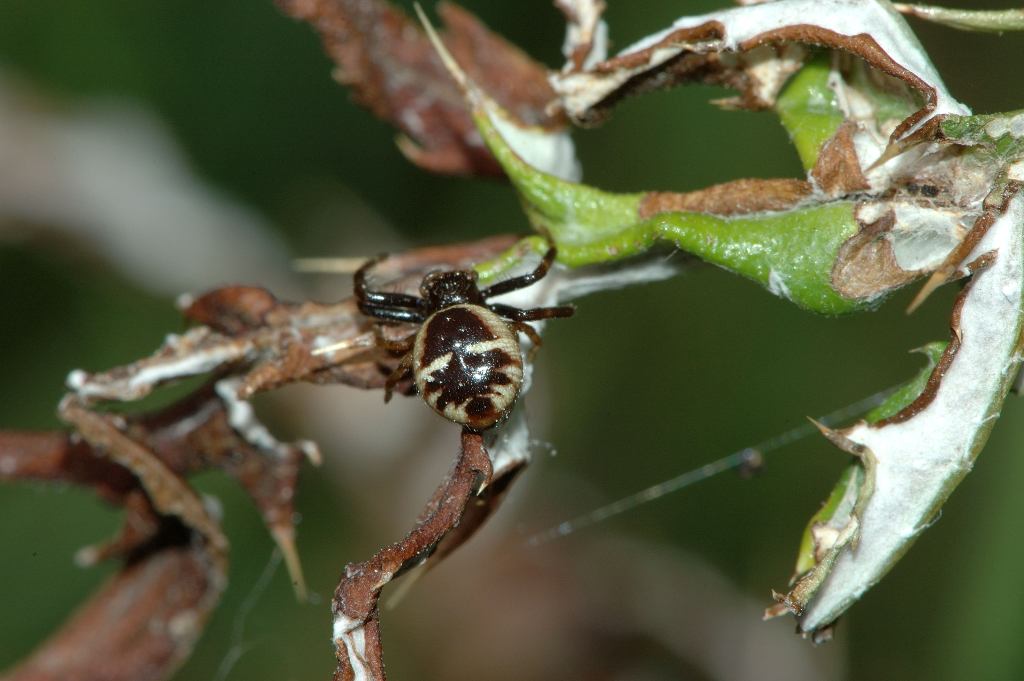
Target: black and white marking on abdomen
x=467 y=365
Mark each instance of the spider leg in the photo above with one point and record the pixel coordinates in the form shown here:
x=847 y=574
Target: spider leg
x=400 y=372
x=392 y=314
x=402 y=345
x=533 y=314
x=531 y=333
x=368 y=299
x=523 y=281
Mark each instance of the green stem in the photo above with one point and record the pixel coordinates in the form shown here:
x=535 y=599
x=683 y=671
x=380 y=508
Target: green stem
x=989 y=21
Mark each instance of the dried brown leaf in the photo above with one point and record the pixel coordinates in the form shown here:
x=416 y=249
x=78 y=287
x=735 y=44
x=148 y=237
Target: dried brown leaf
x=395 y=72
x=738 y=197
x=866 y=266
x=142 y=624
x=586 y=33
x=754 y=49
x=838 y=169
x=356 y=619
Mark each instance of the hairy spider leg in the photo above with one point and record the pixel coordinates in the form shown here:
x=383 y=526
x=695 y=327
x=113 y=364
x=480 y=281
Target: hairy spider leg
x=534 y=314
x=531 y=333
x=402 y=345
x=376 y=300
x=516 y=283
x=403 y=369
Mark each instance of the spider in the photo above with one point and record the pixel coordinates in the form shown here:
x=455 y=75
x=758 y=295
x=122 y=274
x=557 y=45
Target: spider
x=465 y=357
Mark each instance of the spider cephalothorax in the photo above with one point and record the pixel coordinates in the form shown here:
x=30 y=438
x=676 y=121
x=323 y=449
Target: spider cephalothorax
x=465 y=357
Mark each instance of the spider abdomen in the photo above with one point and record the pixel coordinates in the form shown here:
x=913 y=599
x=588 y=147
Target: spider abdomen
x=467 y=365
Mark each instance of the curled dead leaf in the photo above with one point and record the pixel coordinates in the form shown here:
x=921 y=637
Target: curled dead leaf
x=392 y=70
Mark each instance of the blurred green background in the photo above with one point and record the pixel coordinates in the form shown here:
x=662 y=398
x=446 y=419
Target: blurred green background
x=641 y=385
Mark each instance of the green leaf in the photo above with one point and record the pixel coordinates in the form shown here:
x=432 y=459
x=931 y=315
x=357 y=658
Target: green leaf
x=990 y=21
x=903 y=396
x=841 y=503
x=791 y=253
x=808 y=109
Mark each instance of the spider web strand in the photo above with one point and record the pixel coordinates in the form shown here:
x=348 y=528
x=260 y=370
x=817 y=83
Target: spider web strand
x=736 y=459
